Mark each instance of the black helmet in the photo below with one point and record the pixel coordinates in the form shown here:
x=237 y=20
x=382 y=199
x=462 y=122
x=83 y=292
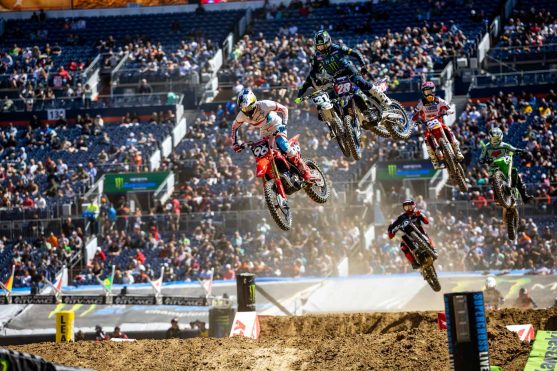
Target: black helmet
x=322 y=41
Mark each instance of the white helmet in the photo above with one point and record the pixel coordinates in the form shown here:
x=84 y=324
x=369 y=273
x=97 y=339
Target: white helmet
x=495 y=136
x=490 y=282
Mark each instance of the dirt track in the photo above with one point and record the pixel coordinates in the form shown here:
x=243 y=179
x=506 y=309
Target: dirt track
x=371 y=341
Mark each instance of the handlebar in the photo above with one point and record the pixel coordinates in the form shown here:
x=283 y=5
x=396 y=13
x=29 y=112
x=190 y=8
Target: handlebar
x=245 y=145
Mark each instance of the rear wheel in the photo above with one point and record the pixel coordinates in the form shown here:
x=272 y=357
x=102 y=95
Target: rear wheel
x=351 y=136
x=501 y=190
x=511 y=218
x=461 y=178
x=319 y=190
x=399 y=127
x=278 y=206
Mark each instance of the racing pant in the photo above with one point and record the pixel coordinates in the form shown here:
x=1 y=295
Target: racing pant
x=292 y=153
x=406 y=245
x=366 y=86
x=516 y=181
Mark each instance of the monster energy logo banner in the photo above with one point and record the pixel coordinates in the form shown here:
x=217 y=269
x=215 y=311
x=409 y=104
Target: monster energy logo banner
x=399 y=170
x=134 y=182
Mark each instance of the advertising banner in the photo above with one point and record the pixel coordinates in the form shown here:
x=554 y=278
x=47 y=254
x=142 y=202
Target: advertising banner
x=133 y=182
x=400 y=170
x=23 y=5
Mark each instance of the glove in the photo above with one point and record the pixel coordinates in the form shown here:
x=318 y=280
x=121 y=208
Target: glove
x=417 y=213
x=391 y=235
x=483 y=161
x=237 y=148
x=523 y=152
x=298 y=100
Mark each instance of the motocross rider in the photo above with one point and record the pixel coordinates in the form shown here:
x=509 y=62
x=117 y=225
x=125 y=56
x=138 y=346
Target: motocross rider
x=495 y=149
x=334 y=59
x=432 y=107
x=417 y=218
x=264 y=115
x=492 y=297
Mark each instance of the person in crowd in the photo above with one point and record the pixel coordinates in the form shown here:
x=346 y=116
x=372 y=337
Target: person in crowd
x=174 y=330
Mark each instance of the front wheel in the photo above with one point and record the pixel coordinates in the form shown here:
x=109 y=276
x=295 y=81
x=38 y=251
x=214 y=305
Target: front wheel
x=397 y=121
x=339 y=135
x=501 y=190
x=430 y=275
x=351 y=136
x=278 y=206
x=318 y=191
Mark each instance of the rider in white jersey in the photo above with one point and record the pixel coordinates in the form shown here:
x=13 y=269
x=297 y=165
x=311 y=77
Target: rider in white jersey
x=264 y=115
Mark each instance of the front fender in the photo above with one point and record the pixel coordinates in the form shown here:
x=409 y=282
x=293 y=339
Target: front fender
x=262 y=167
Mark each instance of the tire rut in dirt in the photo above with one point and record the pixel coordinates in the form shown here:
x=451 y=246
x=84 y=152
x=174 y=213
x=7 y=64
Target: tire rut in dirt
x=391 y=126
x=498 y=183
x=321 y=195
x=355 y=148
x=283 y=221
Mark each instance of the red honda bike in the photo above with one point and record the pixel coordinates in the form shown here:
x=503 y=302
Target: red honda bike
x=281 y=179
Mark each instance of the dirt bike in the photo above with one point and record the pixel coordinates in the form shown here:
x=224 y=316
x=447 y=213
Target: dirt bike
x=328 y=114
x=281 y=179
x=348 y=100
x=391 y=122
x=423 y=253
x=445 y=153
x=505 y=194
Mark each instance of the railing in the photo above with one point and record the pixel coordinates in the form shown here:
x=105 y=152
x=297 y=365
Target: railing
x=93 y=66
x=102 y=101
x=515 y=79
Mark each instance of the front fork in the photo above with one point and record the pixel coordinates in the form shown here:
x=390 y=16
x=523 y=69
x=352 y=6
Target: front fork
x=278 y=182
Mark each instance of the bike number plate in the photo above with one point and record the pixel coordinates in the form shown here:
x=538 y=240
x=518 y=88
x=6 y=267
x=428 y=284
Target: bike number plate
x=320 y=99
x=343 y=87
x=433 y=124
x=260 y=148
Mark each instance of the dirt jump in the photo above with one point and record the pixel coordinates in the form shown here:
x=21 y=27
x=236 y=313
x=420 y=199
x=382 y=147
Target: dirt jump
x=359 y=341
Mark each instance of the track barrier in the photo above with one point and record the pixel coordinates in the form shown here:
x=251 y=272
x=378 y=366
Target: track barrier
x=64 y=326
x=467 y=331
x=543 y=355
x=246 y=322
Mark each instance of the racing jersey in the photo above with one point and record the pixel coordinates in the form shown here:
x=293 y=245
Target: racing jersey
x=335 y=61
x=417 y=218
x=265 y=117
x=494 y=152
x=426 y=111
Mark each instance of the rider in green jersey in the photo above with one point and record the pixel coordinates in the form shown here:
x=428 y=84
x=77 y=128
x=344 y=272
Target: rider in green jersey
x=495 y=149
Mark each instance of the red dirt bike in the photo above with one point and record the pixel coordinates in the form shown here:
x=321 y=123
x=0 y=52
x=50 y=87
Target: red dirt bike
x=281 y=179
x=445 y=154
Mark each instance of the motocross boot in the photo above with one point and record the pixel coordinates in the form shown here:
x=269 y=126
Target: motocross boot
x=410 y=257
x=456 y=149
x=380 y=96
x=303 y=167
x=522 y=190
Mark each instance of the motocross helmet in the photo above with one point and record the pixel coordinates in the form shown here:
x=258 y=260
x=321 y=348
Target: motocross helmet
x=246 y=101
x=495 y=136
x=428 y=91
x=490 y=282
x=409 y=206
x=322 y=41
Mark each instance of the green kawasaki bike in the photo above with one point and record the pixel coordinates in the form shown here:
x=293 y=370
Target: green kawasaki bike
x=500 y=170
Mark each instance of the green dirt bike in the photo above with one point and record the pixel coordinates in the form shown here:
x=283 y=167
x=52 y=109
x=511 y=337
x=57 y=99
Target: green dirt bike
x=506 y=195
